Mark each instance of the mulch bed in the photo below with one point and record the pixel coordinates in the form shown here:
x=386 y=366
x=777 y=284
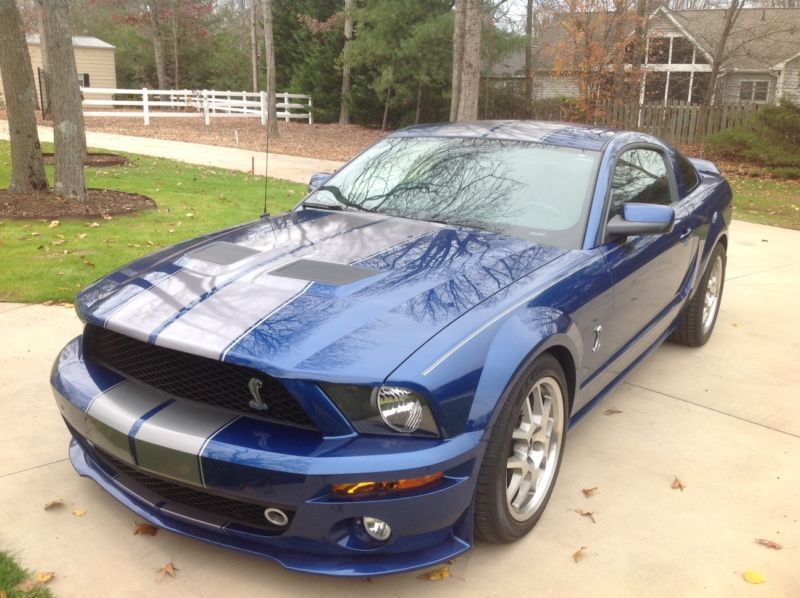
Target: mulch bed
x=46 y=206
x=92 y=159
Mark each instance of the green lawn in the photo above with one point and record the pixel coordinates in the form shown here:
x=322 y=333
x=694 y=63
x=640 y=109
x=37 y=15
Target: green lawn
x=11 y=575
x=766 y=201
x=38 y=263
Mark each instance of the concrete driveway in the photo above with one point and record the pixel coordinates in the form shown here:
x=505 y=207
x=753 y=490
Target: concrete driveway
x=725 y=419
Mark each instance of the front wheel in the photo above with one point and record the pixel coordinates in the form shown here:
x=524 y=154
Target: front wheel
x=524 y=454
x=700 y=315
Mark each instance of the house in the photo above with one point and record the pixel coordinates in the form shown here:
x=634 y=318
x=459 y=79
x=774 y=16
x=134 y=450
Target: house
x=94 y=58
x=761 y=62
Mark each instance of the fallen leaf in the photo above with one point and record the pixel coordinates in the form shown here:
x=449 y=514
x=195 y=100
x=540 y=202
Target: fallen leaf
x=587 y=492
x=437 y=574
x=612 y=411
x=44 y=576
x=578 y=554
x=145 y=529
x=588 y=514
x=82 y=236
x=107 y=217
x=53 y=224
x=751 y=576
x=93 y=225
x=677 y=484
x=79 y=512
x=768 y=543
x=54 y=504
x=168 y=569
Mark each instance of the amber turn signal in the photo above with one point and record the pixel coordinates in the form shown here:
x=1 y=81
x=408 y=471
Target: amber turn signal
x=392 y=486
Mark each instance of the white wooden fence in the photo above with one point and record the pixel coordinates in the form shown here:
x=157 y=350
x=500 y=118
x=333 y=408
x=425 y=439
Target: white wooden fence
x=188 y=103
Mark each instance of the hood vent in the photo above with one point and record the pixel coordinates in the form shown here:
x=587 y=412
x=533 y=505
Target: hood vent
x=324 y=272
x=222 y=253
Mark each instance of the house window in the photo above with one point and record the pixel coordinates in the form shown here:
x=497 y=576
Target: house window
x=83 y=79
x=753 y=91
x=682 y=51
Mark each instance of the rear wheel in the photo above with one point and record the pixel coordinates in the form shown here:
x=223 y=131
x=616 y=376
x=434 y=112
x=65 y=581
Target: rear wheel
x=523 y=455
x=701 y=312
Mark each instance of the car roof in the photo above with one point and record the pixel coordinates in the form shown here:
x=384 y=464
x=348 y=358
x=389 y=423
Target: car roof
x=585 y=137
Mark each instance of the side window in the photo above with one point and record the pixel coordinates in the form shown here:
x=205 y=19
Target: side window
x=640 y=176
x=688 y=174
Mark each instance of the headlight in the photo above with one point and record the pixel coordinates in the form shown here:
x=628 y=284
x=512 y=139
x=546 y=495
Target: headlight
x=384 y=409
x=400 y=408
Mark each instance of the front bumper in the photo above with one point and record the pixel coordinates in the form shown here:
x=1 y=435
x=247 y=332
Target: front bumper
x=124 y=432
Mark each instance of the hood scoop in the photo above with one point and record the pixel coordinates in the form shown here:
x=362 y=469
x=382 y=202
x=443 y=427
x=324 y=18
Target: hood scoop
x=222 y=253
x=324 y=272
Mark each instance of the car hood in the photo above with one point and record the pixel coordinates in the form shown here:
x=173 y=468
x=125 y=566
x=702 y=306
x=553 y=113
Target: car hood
x=313 y=293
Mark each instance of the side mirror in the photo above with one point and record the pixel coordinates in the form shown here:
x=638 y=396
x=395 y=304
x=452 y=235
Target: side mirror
x=641 y=219
x=317 y=180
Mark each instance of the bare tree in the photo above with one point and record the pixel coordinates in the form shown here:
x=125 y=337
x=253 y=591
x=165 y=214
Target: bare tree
x=27 y=171
x=529 y=57
x=467 y=59
x=253 y=45
x=458 y=56
x=154 y=15
x=269 y=46
x=344 y=107
x=68 y=128
x=176 y=10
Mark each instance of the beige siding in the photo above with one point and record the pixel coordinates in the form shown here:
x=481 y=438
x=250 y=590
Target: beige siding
x=661 y=25
x=98 y=63
x=730 y=94
x=791 y=80
x=547 y=87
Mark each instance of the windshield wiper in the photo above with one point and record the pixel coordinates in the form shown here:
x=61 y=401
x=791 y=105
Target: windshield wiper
x=322 y=206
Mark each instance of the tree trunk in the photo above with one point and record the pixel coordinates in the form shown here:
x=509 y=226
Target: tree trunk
x=27 y=171
x=471 y=67
x=68 y=130
x=344 y=107
x=253 y=45
x=269 y=46
x=158 y=46
x=419 y=103
x=385 y=122
x=175 y=56
x=458 y=56
x=529 y=59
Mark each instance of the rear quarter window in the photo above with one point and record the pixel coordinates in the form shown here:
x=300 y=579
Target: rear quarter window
x=687 y=173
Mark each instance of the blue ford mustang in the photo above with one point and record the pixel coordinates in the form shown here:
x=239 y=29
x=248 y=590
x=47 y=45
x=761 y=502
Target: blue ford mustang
x=361 y=385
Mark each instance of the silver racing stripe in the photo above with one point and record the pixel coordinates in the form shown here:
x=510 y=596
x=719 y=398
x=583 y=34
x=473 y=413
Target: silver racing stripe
x=148 y=311
x=213 y=325
x=113 y=413
x=170 y=442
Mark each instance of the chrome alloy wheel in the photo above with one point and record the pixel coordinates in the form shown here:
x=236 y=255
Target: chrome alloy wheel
x=535 y=447
x=711 y=299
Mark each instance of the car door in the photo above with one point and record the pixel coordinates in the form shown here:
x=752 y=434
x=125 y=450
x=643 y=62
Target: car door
x=651 y=273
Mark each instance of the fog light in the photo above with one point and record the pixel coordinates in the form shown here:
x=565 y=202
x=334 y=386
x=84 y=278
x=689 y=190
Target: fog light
x=276 y=516
x=376 y=528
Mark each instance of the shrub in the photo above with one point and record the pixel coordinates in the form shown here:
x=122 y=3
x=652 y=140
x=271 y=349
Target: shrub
x=770 y=139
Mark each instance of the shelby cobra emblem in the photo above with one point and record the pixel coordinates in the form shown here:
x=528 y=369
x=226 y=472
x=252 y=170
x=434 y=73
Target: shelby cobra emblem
x=257 y=402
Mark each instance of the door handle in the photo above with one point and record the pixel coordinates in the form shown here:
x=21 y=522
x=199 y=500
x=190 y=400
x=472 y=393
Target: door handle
x=686 y=233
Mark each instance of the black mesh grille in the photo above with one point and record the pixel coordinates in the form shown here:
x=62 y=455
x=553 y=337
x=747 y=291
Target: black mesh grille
x=192 y=377
x=177 y=495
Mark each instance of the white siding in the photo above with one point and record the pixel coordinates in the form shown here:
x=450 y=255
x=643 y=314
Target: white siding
x=730 y=93
x=791 y=80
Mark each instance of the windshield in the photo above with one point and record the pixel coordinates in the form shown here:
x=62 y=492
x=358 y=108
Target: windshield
x=537 y=192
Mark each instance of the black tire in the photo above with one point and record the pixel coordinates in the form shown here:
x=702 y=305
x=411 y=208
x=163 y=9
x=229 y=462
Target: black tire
x=494 y=521
x=693 y=329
